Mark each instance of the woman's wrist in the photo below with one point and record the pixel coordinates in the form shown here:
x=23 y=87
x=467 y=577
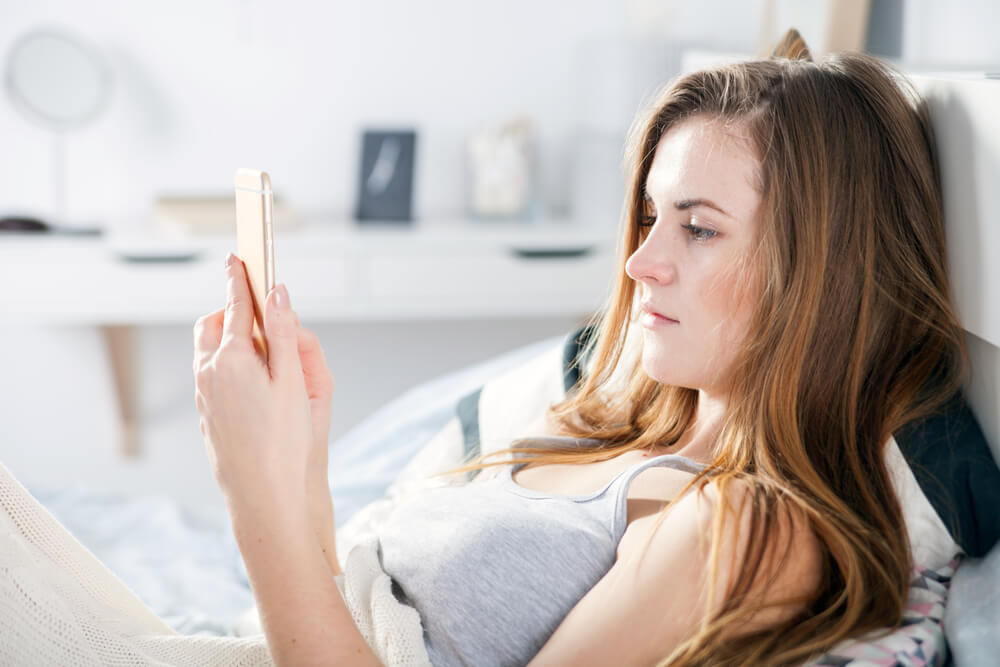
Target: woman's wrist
x=321 y=516
x=266 y=506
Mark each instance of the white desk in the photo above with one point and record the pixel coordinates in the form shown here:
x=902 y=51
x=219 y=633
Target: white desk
x=334 y=272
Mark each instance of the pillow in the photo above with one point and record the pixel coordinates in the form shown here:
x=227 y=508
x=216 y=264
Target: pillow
x=920 y=640
x=366 y=459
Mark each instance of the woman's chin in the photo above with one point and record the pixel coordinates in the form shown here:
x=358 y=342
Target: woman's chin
x=661 y=370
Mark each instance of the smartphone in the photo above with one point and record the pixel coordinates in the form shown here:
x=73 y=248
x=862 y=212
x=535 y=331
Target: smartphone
x=255 y=240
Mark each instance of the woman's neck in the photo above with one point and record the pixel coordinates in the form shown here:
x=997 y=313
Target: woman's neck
x=698 y=441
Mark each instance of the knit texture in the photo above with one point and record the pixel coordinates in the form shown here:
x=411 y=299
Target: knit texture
x=59 y=605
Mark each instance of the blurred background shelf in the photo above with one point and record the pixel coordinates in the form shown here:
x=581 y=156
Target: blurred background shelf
x=334 y=272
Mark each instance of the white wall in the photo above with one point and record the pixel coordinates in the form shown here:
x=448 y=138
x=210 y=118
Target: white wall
x=202 y=87
x=960 y=34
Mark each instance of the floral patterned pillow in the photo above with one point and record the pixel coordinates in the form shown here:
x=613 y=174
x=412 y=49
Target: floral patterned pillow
x=918 y=642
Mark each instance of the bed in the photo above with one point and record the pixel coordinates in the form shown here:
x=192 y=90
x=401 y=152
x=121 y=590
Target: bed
x=188 y=570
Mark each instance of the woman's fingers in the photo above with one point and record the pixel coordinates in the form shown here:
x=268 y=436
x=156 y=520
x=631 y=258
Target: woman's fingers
x=239 y=304
x=207 y=336
x=281 y=330
x=319 y=382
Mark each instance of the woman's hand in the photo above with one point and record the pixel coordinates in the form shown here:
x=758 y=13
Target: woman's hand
x=319 y=388
x=263 y=421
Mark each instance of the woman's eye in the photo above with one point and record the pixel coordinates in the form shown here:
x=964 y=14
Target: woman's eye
x=699 y=233
x=648 y=216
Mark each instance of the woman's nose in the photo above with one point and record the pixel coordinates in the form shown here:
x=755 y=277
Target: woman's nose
x=651 y=263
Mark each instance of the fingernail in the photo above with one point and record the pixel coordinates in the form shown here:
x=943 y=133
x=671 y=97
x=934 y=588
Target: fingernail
x=281 y=296
x=230 y=258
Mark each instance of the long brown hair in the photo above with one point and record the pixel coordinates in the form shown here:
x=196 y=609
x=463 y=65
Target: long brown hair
x=852 y=337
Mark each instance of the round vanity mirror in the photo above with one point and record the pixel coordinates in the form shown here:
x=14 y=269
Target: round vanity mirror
x=57 y=80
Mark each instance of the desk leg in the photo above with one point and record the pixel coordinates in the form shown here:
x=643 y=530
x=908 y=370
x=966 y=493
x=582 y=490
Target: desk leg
x=120 y=342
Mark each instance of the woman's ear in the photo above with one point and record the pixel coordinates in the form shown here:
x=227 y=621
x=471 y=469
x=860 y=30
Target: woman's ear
x=792 y=46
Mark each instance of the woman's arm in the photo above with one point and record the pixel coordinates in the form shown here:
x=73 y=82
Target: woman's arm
x=655 y=596
x=260 y=419
x=321 y=517
x=302 y=612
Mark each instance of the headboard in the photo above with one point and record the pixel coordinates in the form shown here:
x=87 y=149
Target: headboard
x=964 y=110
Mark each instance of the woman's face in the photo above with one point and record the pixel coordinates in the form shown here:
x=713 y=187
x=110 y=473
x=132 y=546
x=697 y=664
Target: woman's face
x=702 y=203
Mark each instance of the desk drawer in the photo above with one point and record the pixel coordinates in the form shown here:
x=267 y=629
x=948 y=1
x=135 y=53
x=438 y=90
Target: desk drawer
x=501 y=282
x=123 y=292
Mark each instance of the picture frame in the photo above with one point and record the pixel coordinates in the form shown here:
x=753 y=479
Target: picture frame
x=385 y=178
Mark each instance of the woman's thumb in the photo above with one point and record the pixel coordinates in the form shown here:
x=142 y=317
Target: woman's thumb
x=281 y=328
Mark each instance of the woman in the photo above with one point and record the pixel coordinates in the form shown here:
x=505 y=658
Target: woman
x=784 y=258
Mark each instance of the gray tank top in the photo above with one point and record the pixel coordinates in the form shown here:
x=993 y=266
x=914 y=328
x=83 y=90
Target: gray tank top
x=493 y=567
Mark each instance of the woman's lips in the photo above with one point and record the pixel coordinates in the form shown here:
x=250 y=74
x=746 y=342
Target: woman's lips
x=651 y=318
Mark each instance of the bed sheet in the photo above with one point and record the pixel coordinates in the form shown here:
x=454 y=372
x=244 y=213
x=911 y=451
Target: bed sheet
x=185 y=567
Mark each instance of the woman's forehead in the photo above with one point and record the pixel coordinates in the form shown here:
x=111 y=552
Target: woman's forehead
x=703 y=158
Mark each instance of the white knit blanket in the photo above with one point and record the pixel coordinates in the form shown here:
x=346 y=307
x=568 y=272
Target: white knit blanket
x=59 y=605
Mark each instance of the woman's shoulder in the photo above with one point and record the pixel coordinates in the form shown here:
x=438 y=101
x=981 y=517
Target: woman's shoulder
x=791 y=557
x=627 y=612
x=729 y=501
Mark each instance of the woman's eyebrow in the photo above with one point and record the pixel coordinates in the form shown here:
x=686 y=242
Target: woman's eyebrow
x=685 y=204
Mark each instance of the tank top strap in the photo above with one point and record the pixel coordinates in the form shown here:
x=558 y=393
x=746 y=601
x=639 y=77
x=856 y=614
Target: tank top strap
x=619 y=487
